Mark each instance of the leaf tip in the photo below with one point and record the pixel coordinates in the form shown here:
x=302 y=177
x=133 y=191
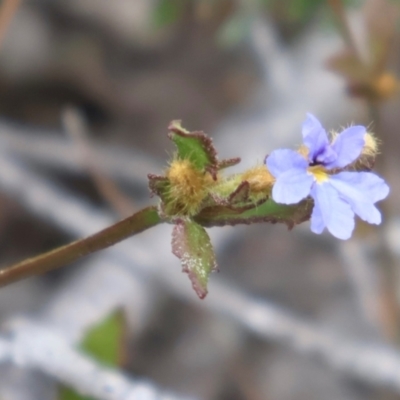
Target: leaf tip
x=175 y=126
x=200 y=289
x=191 y=244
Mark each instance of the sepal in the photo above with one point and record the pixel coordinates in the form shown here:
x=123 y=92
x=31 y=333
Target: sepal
x=159 y=185
x=196 y=147
x=264 y=211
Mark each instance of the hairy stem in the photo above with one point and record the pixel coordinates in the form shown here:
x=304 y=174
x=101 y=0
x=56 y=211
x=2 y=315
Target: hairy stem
x=136 y=223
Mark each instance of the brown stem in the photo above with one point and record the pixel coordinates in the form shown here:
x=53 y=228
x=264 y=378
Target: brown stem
x=338 y=10
x=136 y=223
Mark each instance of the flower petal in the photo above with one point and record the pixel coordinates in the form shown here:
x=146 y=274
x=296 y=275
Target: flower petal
x=317 y=222
x=336 y=214
x=314 y=137
x=361 y=190
x=348 y=146
x=282 y=160
x=292 y=186
x=370 y=184
x=327 y=156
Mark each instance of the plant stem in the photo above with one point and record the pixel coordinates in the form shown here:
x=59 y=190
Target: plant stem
x=136 y=223
x=340 y=13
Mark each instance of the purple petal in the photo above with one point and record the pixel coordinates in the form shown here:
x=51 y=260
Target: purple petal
x=292 y=186
x=361 y=190
x=317 y=223
x=314 y=137
x=370 y=184
x=348 y=146
x=327 y=156
x=335 y=213
x=282 y=160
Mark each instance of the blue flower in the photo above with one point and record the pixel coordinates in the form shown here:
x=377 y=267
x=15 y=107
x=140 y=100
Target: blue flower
x=337 y=194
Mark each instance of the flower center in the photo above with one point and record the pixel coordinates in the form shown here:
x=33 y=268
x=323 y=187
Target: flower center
x=319 y=172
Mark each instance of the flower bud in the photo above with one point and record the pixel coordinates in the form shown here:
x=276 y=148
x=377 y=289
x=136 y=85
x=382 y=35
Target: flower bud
x=371 y=145
x=366 y=160
x=386 y=86
x=188 y=186
x=260 y=182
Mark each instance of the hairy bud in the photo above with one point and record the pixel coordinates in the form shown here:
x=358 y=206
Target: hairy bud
x=188 y=186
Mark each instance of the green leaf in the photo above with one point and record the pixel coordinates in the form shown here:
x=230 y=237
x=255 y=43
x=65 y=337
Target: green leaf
x=105 y=340
x=192 y=245
x=194 y=146
x=235 y=30
x=303 y=9
x=167 y=12
x=69 y=394
x=105 y=343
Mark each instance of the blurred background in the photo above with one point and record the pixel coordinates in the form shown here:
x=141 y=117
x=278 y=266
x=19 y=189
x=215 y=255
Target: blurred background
x=87 y=90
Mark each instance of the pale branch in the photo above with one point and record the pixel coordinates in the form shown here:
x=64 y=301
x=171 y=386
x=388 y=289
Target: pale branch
x=102 y=286
x=372 y=362
x=32 y=345
x=54 y=150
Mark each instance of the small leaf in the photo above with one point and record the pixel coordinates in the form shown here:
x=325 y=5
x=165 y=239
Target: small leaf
x=167 y=12
x=194 y=146
x=192 y=245
x=235 y=30
x=105 y=342
x=69 y=394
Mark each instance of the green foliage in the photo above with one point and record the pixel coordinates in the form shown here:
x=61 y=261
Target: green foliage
x=167 y=12
x=192 y=245
x=196 y=147
x=234 y=30
x=69 y=394
x=294 y=15
x=105 y=343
